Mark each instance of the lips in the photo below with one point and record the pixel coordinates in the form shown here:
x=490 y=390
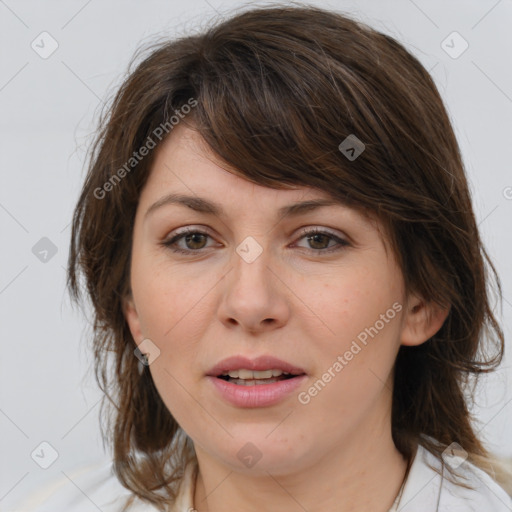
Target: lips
x=261 y=363
x=262 y=391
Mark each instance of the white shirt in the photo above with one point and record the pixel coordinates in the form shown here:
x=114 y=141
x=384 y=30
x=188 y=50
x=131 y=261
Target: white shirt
x=423 y=491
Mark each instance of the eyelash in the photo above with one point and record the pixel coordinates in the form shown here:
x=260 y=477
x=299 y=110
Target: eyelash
x=171 y=244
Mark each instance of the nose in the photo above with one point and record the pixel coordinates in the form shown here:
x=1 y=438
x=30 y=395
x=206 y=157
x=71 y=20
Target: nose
x=254 y=297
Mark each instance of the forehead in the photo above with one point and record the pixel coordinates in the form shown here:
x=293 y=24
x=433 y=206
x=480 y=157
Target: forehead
x=184 y=163
x=186 y=171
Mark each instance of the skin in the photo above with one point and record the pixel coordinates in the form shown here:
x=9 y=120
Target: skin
x=293 y=302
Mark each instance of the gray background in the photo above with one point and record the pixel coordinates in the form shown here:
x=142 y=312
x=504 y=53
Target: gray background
x=48 y=110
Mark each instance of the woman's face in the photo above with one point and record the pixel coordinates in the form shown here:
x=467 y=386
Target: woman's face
x=252 y=283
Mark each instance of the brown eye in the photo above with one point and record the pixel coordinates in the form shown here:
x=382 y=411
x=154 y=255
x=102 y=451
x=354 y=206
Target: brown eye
x=318 y=241
x=193 y=241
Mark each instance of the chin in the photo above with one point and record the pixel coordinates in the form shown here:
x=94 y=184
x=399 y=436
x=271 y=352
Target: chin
x=260 y=454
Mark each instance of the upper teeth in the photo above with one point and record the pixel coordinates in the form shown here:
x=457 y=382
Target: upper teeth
x=249 y=374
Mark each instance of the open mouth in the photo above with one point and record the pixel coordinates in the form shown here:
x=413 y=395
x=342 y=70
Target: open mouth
x=269 y=381
x=254 y=378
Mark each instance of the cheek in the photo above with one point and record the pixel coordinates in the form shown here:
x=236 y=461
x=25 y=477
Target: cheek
x=172 y=314
x=361 y=310
x=351 y=301
x=170 y=298
x=355 y=363
x=175 y=310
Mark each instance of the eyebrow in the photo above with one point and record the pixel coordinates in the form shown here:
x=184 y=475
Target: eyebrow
x=202 y=205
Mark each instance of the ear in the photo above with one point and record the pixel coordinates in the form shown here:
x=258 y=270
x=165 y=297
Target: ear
x=421 y=320
x=132 y=318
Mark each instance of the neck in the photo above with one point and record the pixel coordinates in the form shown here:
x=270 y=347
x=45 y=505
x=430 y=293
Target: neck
x=363 y=472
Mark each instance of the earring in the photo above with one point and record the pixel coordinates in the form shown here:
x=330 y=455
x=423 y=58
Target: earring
x=141 y=365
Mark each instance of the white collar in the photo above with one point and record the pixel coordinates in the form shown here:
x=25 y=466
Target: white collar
x=430 y=486
x=425 y=490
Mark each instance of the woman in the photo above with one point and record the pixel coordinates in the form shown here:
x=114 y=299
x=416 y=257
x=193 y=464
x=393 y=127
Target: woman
x=277 y=237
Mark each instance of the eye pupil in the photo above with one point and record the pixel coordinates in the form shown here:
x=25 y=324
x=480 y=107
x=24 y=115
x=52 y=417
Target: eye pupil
x=314 y=238
x=193 y=236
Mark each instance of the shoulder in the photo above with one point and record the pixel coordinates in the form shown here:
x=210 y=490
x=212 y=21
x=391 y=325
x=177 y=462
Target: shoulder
x=467 y=489
x=82 y=489
x=475 y=490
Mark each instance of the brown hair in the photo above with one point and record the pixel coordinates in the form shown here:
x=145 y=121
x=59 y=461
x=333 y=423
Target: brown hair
x=276 y=90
